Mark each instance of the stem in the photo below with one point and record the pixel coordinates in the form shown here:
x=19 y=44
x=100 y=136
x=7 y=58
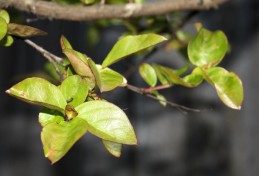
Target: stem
x=147 y=94
x=53 y=59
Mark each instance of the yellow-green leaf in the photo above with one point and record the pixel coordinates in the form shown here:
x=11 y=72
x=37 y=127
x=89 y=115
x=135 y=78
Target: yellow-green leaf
x=4 y=14
x=148 y=73
x=24 y=31
x=3 y=28
x=113 y=148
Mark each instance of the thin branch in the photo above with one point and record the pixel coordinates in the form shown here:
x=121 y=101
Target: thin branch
x=142 y=92
x=53 y=59
x=53 y=10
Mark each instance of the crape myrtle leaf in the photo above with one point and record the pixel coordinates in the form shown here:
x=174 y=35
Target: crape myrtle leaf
x=111 y=79
x=148 y=73
x=169 y=76
x=208 y=48
x=195 y=78
x=129 y=45
x=7 y=41
x=228 y=86
x=40 y=92
x=3 y=28
x=58 y=138
x=113 y=148
x=182 y=70
x=75 y=89
x=107 y=121
x=65 y=43
x=24 y=31
x=95 y=72
x=4 y=14
x=78 y=62
x=161 y=98
x=47 y=116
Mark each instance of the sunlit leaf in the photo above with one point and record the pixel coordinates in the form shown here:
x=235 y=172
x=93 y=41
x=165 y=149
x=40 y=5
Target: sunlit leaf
x=130 y=45
x=228 y=86
x=7 y=41
x=148 y=73
x=195 y=78
x=95 y=72
x=24 y=31
x=113 y=148
x=111 y=79
x=4 y=14
x=65 y=43
x=75 y=89
x=58 y=138
x=208 y=48
x=47 y=116
x=107 y=121
x=40 y=92
x=3 y=28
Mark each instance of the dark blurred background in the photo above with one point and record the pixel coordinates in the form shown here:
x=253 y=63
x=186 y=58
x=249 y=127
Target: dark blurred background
x=215 y=142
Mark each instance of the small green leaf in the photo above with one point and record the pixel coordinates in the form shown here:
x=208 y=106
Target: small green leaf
x=7 y=41
x=113 y=148
x=74 y=88
x=228 y=86
x=65 y=43
x=195 y=78
x=148 y=73
x=111 y=79
x=107 y=121
x=4 y=14
x=48 y=116
x=3 y=28
x=40 y=92
x=24 y=31
x=130 y=45
x=208 y=48
x=58 y=138
x=95 y=72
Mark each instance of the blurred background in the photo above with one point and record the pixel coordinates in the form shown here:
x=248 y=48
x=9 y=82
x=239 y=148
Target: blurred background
x=217 y=141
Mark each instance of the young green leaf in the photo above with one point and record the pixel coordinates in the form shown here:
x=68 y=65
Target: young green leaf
x=58 y=138
x=130 y=45
x=195 y=78
x=228 y=86
x=3 y=28
x=47 y=116
x=113 y=148
x=95 y=72
x=4 y=14
x=111 y=79
x=40 y=92
x=75 y=89
x=65 y=43
x=107 y=121
x=208 y=48
x=148 y=73
x=24 y=31
x=7 y=41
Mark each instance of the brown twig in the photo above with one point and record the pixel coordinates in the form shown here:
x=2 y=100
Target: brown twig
x=53 y=10
x=143 y=91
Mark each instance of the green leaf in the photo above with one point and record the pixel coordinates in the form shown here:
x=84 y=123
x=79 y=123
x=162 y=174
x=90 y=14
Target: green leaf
x=130 y=45
x=65 y=43
x=208 y=48
x=24 y=31
x=95 y=72
x=4 y=14
x=195 y=78
x=40 y=92
x=58 y=138
x=3 y=28
x=107 y=121
x=113 y=148
x=75 y=89
x=228 y=86
x=89 y=1
x=47 y=116
x=148 y=73
x=7 y=41
x=111 y=79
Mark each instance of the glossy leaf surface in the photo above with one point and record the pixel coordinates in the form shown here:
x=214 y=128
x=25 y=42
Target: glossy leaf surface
x=130 y=45
x=195 y=78
x=24 y=31
x=75 y=89
x=107 y=121
x=40 y=92
x=3 y=28
x=58 y=138
x=208 y=48
x=47 y=116
x=148 y=73
x=228 y=86
x=4 y=14
x=113 y=148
